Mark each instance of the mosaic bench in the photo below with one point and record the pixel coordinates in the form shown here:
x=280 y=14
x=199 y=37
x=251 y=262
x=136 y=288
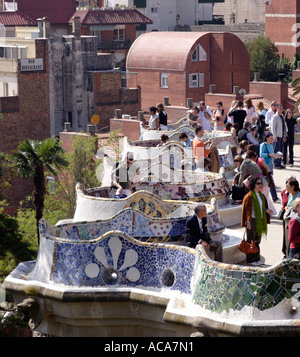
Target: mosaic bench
x=220 y=138
x=94 y=204
x=138 y=225
x=192 y=290
x=172 y=154
x=221 y=287
x=113 y=259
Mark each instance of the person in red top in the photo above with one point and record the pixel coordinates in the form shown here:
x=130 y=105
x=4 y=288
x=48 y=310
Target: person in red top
x=284 y=201
x=201 y=149
x=294 y=230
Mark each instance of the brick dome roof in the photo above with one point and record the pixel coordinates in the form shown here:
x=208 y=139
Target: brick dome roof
x=162 y=50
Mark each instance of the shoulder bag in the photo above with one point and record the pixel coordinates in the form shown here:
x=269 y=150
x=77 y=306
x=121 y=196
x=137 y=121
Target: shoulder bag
x=247 y=248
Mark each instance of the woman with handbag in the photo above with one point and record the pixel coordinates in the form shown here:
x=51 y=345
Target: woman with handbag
x=255 y=217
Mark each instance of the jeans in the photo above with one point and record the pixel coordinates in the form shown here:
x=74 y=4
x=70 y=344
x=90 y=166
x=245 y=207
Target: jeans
x=272 y=188
x=289 y=143
x=293 y=251
x=251 y=235
x=278 y=146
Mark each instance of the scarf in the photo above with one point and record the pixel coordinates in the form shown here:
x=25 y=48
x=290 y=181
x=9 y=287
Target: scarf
x=260 y=222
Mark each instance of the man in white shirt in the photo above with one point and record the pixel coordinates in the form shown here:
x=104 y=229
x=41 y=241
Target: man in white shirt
x=270 y=114
x=204 y=115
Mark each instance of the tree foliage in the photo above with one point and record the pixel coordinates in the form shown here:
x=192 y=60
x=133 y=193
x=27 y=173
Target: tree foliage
x=31 y=159
x=263 y=58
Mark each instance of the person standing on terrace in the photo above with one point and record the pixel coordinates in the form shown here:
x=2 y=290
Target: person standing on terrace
x=201 y=149
x=255 y=217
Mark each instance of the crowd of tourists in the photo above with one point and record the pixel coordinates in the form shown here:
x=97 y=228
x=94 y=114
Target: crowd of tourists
x=266 y=143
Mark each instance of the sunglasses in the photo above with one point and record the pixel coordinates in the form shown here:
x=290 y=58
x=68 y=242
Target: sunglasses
x=258 y=183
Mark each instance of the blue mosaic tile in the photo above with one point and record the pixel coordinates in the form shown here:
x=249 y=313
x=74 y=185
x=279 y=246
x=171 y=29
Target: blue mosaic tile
x=122 y=261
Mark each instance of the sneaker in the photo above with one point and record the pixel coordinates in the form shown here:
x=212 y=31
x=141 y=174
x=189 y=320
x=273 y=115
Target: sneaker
x=278 y=167
x=291 y=165
x=277 y=200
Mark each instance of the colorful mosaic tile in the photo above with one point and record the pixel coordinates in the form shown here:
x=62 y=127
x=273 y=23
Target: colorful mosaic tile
x=118 y=260
x=221 y=287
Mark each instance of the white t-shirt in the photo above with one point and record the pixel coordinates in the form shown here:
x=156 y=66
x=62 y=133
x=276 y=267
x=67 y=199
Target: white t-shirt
x=260 y=203
x=205 y=122
x=152 y=121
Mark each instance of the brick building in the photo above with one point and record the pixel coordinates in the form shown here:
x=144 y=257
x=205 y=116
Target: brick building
x=282 y=25
x=115 y=29
x=182 y=65
x=69 y=83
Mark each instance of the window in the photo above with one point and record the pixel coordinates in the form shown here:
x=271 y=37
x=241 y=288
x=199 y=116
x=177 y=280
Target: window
x=5 y=89
x=195 y=55
x=119 y=34
x=201 y=79
x=7 y=52
x=196 y=80
x=164 y=80
x=199 y=54
x=14 y=51
x=23 y=52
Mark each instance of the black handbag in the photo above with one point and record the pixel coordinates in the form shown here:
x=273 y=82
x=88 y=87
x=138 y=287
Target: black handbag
x=280 y=214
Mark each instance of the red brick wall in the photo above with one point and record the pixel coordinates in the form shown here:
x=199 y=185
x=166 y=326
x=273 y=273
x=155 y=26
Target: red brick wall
x=230 y=63
x=26 y=116
x=283 y=29
x=108 y=96
x=218 y=70
x=277 y=91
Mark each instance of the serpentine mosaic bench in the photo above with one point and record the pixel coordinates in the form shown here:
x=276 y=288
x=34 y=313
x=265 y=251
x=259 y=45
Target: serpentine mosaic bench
x=146 y=153
x=137 y=225
x=221 y=287
x=149 y=213
x=220 y=138
x=111 y=259
x=115 y=273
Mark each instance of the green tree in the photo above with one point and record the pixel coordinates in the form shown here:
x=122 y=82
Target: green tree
x=61 y=202
x=31 y=159
x=263 y=58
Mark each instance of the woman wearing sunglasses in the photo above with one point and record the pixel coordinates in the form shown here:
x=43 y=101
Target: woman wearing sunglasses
x=255 y=217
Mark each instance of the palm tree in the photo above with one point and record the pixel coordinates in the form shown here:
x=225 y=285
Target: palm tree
x=31 y=159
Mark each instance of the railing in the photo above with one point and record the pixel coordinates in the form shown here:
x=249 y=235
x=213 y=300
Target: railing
x=114 y=45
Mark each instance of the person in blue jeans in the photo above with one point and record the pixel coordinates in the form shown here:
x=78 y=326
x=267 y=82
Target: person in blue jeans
x=279 y=131
x=266 y=152
x=290 y=121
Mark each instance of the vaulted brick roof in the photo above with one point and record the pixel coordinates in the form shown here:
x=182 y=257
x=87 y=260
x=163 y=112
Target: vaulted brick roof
x=15 y=18
x=111 y=17
x=171 y=49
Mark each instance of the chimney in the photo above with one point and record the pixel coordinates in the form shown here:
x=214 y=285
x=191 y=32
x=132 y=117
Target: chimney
x=40 y=27
x=76 y=27
x=46 y=27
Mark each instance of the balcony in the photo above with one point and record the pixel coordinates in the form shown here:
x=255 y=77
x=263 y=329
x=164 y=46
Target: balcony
x=114 y=45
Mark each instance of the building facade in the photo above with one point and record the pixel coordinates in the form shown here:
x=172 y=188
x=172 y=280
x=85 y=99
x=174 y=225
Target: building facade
x=167 y=14
x=282 y=25
x=186 y=65
x=65 y=81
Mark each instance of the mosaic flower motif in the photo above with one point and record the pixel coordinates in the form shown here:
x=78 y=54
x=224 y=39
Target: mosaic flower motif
x=92 y=270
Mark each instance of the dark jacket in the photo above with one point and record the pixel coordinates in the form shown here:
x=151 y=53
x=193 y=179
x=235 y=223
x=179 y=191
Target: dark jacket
x=192 y=233
x=242 y=135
